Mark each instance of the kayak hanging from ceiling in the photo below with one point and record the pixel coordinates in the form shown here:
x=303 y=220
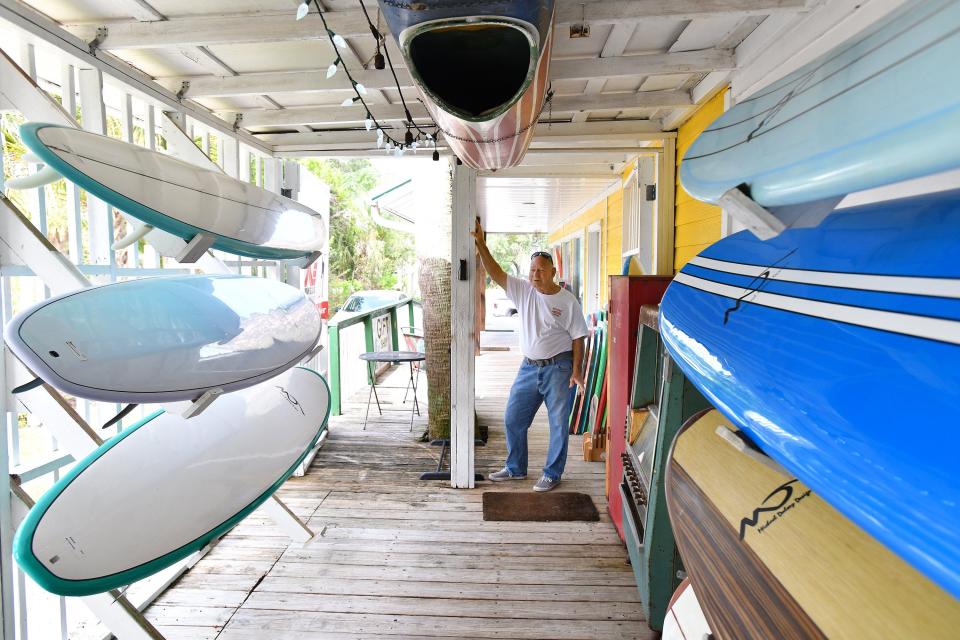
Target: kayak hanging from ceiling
x=482 y=69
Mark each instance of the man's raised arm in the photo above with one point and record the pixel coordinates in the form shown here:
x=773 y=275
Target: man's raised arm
x=496 y=273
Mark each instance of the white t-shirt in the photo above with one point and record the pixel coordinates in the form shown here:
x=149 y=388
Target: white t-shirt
x=548 y=323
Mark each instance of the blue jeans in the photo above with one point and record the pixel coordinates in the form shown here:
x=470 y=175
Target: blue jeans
x=534 y=386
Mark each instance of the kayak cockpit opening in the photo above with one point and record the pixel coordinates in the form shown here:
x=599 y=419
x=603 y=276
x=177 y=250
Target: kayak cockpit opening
x=474 y=69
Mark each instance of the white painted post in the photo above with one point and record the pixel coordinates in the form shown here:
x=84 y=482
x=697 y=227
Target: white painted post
x=68 y=88
x=231 y=156
x=94 y=119
x=462 y=308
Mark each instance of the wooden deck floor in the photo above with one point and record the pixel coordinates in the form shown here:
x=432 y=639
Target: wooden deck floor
x=403 y=558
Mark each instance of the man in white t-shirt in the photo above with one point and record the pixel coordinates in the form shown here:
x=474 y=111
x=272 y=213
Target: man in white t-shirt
x=552 y=331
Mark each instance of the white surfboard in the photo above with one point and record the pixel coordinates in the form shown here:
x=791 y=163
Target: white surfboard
x=179 y=197
x=165 y=339
x=685 y=619
x=168 y=486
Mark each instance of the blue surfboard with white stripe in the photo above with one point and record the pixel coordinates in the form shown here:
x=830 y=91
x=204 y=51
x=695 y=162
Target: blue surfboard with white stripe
x=837 y=349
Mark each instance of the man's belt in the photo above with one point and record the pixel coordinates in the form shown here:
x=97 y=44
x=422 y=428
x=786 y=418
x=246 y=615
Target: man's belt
x=566 y=355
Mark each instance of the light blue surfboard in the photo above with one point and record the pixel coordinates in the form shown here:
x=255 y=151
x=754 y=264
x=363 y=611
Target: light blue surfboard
x=179 y=197
x=165 y=339
x=837 y=349
x=879 y=109
x=167 y=486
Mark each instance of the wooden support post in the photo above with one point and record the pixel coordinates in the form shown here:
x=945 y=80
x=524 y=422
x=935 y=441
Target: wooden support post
x=287 y=521
x=462 y=358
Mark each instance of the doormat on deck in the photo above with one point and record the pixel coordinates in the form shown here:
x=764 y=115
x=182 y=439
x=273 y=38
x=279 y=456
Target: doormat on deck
x=555 y=506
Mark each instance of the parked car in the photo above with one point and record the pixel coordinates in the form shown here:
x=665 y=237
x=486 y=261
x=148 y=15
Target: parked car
x=504 y=307
x=361 y=301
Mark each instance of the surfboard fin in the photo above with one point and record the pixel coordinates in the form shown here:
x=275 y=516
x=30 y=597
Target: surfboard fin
x=43 y=176
x=120 y=416
x=27 y=386
x=139 y=230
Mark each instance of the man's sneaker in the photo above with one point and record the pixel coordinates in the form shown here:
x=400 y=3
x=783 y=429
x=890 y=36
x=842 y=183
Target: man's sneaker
x=546 y=484
x=504 y=474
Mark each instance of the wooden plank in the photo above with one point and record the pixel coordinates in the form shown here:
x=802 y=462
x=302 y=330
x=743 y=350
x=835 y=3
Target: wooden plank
x=443 y=606
x=559 y=592
x=316 y=625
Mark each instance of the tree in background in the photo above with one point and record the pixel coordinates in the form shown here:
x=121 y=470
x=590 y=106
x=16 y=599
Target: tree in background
x=512 y=250
x=363 y=255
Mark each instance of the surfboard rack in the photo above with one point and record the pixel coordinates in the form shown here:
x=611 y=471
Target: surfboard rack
x=198 y=245
x=191 y=408
x=766 y=223
x=755 y=218
x=306 y=261
x=742 y=443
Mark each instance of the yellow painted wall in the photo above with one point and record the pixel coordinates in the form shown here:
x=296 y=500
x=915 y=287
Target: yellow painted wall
x=609 y=213
x=697 y=223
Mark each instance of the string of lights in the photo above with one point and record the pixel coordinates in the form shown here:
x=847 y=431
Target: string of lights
x=384 y=139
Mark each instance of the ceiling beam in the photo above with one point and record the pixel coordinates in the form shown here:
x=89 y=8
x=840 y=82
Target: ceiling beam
x=279 y=27
x=299 y=81
x=615 y=133
x=555 y=172
x=326 y=115
x=619 y=11
x=643 y=65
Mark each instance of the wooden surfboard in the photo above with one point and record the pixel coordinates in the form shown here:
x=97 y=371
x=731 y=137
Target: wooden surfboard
x=771 y=559
x=165 y=339
x=179 y=197
x=865 y=114
x=482 y=69
x=805 y=340
x=166 y=487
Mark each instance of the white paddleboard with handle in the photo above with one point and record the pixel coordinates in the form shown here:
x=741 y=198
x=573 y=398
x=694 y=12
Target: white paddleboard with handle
x=166 y=487
x=165 y=339
x=179 y=197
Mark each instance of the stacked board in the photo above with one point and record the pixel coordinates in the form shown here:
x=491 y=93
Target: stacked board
x=589 y=405
x=179 y=197
x=167 y=486
x=771 y=559
x=803 y=341
x=165 y=339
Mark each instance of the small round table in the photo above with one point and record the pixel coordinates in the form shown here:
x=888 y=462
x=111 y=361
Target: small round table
x=393 y=357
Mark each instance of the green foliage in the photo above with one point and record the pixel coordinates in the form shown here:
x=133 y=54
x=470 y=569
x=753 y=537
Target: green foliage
x=363 y=255
x=512 y=250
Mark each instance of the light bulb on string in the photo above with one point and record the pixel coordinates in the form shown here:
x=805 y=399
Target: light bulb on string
x=331 y=70
x=302 y=10
x=368 y=123
x=379 y=137
x=389 y=145
x=398 y=152
x=349 y=102
x=338 y=41
x=362 y=90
